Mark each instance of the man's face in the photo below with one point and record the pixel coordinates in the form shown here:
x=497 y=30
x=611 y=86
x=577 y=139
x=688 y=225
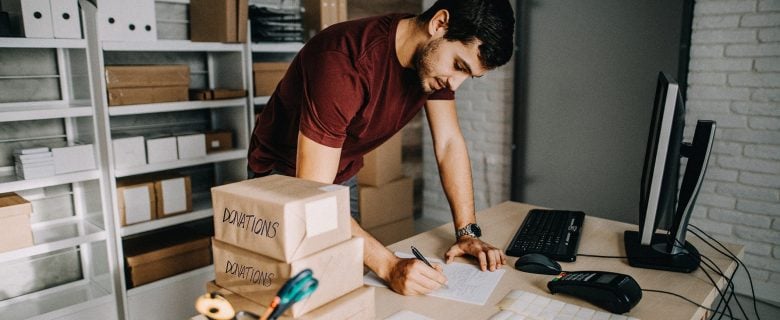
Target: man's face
x=441 y=63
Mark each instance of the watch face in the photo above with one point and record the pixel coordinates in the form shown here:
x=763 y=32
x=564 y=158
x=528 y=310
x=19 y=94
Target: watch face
x=477 y=231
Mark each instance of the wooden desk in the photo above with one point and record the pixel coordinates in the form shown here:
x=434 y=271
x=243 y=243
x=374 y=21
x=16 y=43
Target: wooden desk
x=600 y=236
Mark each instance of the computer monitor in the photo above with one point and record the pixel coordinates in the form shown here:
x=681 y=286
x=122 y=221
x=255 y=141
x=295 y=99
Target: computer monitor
x=662 y=204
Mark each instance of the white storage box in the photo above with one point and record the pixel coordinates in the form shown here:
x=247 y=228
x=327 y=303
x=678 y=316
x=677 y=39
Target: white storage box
x=161 y=149
x=129 y=152
x=73 y=158
x=191 y=146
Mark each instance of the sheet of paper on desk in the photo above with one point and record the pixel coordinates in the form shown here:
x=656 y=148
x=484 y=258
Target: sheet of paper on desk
x=407 y=315
x=465 y=282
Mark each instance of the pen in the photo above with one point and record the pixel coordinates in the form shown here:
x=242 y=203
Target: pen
x=421 y=257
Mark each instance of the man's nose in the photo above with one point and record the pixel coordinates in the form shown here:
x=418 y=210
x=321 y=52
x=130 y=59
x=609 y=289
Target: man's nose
x=455 y=81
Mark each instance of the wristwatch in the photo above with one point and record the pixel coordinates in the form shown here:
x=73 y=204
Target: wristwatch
x=471 y=229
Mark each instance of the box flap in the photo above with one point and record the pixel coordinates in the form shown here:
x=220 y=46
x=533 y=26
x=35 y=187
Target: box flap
x=12 y=204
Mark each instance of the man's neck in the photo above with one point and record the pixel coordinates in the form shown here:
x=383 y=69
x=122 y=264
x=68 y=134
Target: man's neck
x=408 y=37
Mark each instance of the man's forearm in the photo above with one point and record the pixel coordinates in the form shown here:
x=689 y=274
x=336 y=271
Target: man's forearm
x=455 y=172
x=375 y=256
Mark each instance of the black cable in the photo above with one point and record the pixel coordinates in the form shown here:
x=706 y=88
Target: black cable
x=725 y=300
x=686 y=299
x=730 y=284
x=734 y=257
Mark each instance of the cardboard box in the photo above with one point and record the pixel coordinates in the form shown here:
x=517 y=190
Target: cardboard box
x=356 y=305
x=339 y=270
x=228 y=93
x=191 y=146
x=15 y=232
x=173 y=196
x=129 y=152
x=128 y=96
x=383 y=164
x=319 y=15
x=136 y=201
x=389 y=203
x=219 y=20
x=219 y=141
x=163 y=254
x=139 y=76
x=201 y=94
x=281 y=217
x=73 y=158
x=161 y=149
x=267 y=75
x=393 y=232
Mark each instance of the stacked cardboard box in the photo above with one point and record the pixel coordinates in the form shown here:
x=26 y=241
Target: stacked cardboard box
x=147 y=84
x=219 y=20
x=386 y=196
x=267 y=75
x=15 y=232
x=146 y=198
x=321 y=14
x=266 y=230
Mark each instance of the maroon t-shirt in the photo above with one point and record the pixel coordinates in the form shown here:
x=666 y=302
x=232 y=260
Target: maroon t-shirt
x=345 y=89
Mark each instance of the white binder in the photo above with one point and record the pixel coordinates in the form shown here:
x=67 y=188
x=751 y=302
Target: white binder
x=65 y=18
x=142 y=15
x=127 y=20
x=34 y=17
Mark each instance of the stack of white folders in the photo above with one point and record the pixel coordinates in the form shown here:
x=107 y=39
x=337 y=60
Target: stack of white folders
x=34 y=163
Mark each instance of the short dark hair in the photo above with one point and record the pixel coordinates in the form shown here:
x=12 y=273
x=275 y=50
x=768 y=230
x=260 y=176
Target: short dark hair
x=490 y=21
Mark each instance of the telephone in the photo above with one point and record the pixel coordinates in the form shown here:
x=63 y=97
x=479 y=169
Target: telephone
x=614 y=292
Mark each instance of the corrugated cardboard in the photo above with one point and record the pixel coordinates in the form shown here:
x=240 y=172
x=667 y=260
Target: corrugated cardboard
x=339 y=270
x=147 y=76
x=228 y=93
x=356 y=305
x=393 y=232
x=281 y=217
x=267 y=76
x=383 y=164
x=174 y=196
x=321 y=14
x=389 y=203
x=128 y=96
x=15 y=232
x=136 y=201
x=219 y=141
x=160 y=255
x=218 y=20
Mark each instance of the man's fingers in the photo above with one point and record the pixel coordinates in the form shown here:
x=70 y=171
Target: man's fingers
x=492 y=260
x=453 y=252
x=482 y=260
x=435 y=274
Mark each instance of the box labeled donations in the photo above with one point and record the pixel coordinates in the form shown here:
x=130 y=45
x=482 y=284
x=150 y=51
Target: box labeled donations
x=339 y=270
x=281 y=217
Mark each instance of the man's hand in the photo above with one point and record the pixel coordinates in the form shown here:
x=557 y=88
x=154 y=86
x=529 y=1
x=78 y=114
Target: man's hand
x=490 y=258
x=413 y=277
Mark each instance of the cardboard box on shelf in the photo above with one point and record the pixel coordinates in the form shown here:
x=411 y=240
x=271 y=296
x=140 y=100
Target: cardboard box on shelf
x=161 y=149
x=173 y=195
x=129 y=96
x=267 y=75
x=281 y=217
x=15 y=232
x=391 y=202
x=191 y=146
x=339 y=270
x=73 y=158
x=383 y=164
x=129 y=152
x=221 y=140
x=221 y=93
x=163 y=254
x=201 y=94
x=356 y=305
x=393 y=232
x=136 y=201
x=321 y=14
x=218 y=20
x=138 y=76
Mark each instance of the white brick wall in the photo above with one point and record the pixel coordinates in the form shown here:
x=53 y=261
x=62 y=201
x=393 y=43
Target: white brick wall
x=734 y=79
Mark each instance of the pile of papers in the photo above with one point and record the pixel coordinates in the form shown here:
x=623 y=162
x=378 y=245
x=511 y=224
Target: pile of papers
x=34 y=163
x=276 y=25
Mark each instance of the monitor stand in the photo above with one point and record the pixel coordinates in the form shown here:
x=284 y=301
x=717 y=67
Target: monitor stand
x=655 y=255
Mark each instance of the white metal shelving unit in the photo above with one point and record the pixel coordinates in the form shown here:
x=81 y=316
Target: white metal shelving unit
x=77 y=230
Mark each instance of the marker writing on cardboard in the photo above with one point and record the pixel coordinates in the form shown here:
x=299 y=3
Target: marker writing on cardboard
x=252 y=274
x=251 y=222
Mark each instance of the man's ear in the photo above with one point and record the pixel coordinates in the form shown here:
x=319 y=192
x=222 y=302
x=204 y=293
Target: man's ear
x=437 y=27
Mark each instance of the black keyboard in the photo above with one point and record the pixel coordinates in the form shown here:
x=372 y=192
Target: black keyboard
x=553 y=233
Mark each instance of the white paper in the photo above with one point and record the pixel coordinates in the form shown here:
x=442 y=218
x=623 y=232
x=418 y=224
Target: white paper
x=321 y=216
x=174 y=193
x=407 y=315
x=465 y=282
x=137 y=207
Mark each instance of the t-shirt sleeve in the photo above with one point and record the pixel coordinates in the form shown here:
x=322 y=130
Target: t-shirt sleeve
x=332 y=95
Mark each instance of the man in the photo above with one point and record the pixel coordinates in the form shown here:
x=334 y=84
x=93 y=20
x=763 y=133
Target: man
x=356 y=84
